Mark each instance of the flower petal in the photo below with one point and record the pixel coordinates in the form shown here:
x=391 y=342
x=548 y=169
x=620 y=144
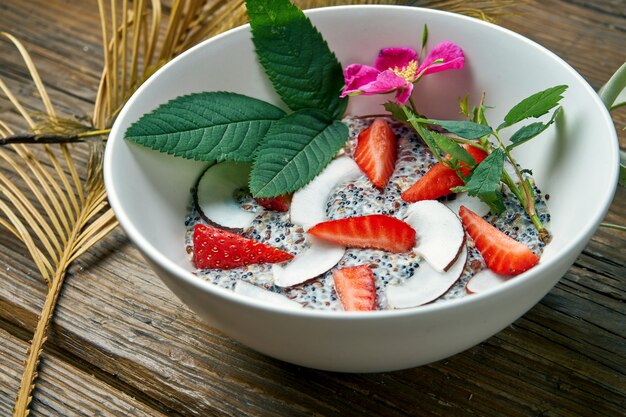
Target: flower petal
x=386 y=82
x=403 y=94
x=357 y=75
x=390 y=58
x=451 y=55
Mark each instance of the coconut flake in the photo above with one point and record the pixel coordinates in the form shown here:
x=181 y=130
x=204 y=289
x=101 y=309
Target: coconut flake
x=484 y=280
x=440 y=233
x=425 y=285
x=310 y=263
x=214 y=195
x=258 y=293
x=308 y=206
x=472 y=203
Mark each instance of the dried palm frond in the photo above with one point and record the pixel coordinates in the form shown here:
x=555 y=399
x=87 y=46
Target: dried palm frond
x=45 y=205
x=488 y=10
x=55 y=208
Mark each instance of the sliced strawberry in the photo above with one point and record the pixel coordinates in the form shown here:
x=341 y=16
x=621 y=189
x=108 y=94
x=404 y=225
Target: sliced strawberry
x=438 y=181
x=376 y=231
x=478 y=154
x=502 y=254
x=356 y=288
x=376 y=152
x=280 y=203
x=218 y=249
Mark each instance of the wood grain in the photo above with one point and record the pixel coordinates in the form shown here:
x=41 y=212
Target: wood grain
x=58 y=378
x=119 y=332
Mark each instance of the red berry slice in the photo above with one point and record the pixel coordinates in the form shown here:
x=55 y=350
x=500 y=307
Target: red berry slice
x=218 y=249
x=376 y=231
x=502 y=254
x=376 y=152
x=356 y=288
x=438 y=181
x=279 y=203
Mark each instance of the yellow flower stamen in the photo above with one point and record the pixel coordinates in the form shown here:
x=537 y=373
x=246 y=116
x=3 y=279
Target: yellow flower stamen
x=408 y=72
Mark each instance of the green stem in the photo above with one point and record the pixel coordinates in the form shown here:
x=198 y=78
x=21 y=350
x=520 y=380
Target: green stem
x=421 y=131
x=613 y=226
x=525 y=195
x=611 y=90
x=506 y=178
x=413 y=107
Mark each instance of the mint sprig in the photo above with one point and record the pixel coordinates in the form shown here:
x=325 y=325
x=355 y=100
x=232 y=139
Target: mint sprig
x=487 y=178
x=211 y=126
x=304 y=71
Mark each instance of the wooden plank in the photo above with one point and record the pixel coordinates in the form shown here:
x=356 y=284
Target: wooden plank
x=565 y=357
x=588 y=35
x=62 y=390
x=103 y=320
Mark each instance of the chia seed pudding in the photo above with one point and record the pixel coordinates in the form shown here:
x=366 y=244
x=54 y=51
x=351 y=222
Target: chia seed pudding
x=356 y=198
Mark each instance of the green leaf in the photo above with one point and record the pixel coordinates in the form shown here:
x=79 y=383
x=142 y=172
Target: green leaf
x=485 y=180
x=294 y=151
x=396 y=112
x=450 y=147
x=528 y=132
x=622 y=175
x=494 y=200
x=206 y=126
x=424 y=134
x=462 y=128
x=534 y=106
x=295 y=56
x=424 y=36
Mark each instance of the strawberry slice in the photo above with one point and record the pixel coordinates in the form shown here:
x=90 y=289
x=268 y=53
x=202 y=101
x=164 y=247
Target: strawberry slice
x=376 y=152
x=375 y=231
x=279 y=203
x=215 y=248
x=438 y=181
x=502 y=254
x=356 y=288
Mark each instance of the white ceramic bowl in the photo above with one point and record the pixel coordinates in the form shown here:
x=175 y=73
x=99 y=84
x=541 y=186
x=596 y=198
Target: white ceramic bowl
x=575 y=163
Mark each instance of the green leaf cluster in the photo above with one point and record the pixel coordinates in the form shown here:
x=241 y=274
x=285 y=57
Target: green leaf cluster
x=485 y=179
x=287 y=150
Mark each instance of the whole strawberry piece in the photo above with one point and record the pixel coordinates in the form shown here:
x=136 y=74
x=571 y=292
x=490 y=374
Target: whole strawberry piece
x=502 y=254
x=356 y=288
x=438 y=180
x=215 y=248
x=376 y=231
x=279 y=203
x=376 y=152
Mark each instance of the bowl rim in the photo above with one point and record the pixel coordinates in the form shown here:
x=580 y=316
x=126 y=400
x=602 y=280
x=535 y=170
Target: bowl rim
x=585 y=230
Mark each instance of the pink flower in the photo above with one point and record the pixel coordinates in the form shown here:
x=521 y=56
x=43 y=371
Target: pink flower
x=396 y=69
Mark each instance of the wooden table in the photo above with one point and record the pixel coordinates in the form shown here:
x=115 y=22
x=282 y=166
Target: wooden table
x=122 y=344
